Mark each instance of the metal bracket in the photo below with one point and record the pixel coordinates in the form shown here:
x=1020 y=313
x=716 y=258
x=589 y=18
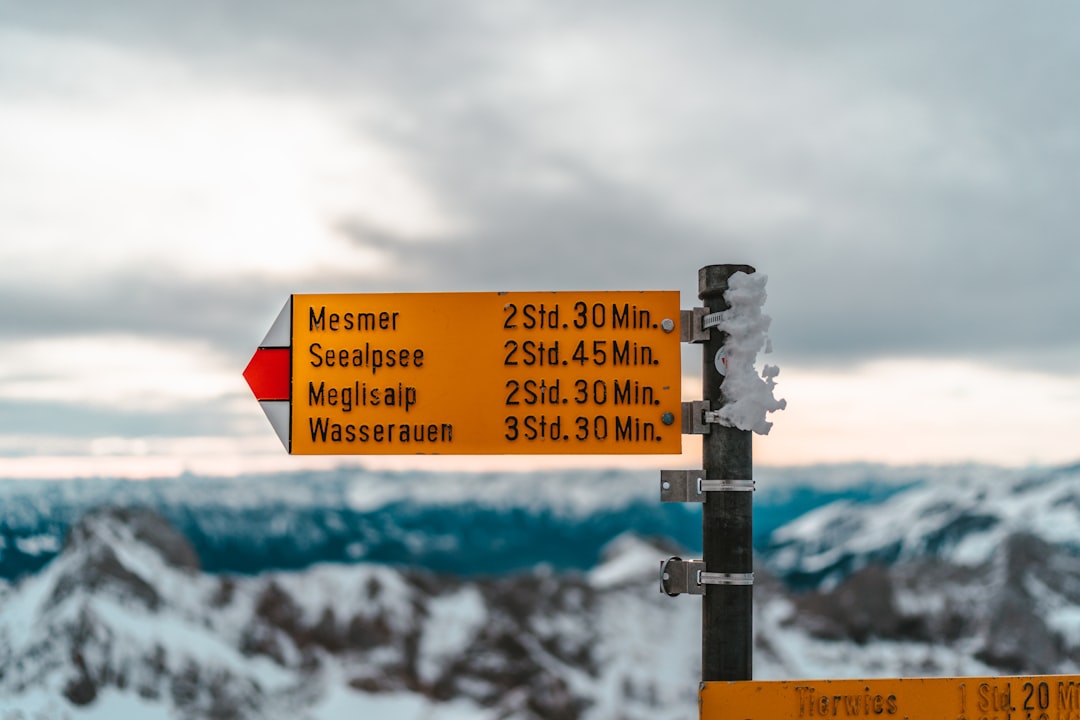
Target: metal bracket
x=678 y=576
x=694 y=417
x=691 y=329
x=712 y=417
x=694 y=324
x=681 y=486
x=698 y=417
x=691 y=486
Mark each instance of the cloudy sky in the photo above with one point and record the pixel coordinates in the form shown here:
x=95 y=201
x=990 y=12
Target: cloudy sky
x=906 y=174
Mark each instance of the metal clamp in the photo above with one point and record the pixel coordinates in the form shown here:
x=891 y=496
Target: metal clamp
x=711 y=320
x=691 y=327
x=728 y=486
x=711 y=578
x=693 y=417
x=691 y=486
x=698 y=417
x=678 y=576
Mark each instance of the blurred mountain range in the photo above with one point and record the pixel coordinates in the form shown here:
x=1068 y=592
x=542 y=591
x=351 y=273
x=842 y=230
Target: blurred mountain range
x=458 y=523
x=356 y=594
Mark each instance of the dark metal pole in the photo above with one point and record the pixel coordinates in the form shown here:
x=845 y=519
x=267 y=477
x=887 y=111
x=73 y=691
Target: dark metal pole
x=727 y=630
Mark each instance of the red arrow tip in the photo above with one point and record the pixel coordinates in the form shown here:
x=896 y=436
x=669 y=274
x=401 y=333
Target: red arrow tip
x=269 y=374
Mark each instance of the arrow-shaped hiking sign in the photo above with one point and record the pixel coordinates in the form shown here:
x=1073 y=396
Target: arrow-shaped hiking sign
x=473 y=373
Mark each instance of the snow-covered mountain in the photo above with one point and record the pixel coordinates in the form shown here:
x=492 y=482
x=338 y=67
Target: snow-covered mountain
x=464 y=524
x=123 y=621
x=962 y=517
x=127 y=621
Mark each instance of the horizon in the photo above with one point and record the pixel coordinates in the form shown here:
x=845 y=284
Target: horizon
x=840 y=474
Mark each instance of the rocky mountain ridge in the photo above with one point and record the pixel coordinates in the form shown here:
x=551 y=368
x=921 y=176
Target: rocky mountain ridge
x=452 y=523
x=963 y=519
x=124 y=621
x=977 y=577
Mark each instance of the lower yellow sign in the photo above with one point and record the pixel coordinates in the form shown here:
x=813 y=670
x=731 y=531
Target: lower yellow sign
x=1026 y=697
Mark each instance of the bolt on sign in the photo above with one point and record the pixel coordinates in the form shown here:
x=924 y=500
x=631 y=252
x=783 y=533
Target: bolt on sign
x=474 y=373
x=1046 y=697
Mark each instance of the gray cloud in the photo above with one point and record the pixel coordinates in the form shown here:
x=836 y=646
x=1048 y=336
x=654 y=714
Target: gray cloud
x=904 y=174
x=227 y=314
x=43 y=418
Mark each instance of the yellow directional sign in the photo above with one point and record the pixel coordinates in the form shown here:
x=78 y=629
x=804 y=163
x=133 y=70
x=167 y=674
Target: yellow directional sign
x=1028 y=697
x=479 y=373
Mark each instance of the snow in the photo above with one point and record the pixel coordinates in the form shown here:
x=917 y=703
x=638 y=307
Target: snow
x=960 y=516
x=976 y=548
x=1061 y=616
x=340 y=702
x=186 y=641
x=45 y=702
x=21 y=609
x=648 y=655
x=646 y=644
x=453 y=621
x=37 y=544
x=1066 y=621
x=349 y=591
x=791 y=653
x=748 y=397
x=344 y=704
x=114 y=705
x=628 y=559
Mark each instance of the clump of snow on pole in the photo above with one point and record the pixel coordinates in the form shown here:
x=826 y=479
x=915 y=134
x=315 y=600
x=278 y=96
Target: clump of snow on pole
x=747 y=395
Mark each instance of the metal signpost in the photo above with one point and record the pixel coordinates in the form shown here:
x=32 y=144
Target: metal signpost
x=727 y=631
x=724 y=576
x=586 y=373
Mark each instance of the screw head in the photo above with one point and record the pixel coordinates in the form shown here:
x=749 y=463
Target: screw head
x=667 y=325
x=667 y=418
